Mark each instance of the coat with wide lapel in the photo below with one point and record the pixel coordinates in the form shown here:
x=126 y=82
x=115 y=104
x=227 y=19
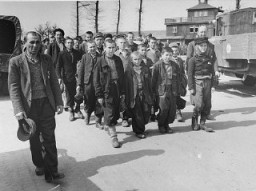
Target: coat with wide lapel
x=102 y=76
x=159 y=78
x=19 y=82
x=86 y=69
x=131 y=86
x=66 y=68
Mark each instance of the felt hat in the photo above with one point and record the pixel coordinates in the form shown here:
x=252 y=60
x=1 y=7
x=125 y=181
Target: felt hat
x=27 y=128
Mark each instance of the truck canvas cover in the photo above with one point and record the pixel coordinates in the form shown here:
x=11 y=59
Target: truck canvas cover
x=10 y=40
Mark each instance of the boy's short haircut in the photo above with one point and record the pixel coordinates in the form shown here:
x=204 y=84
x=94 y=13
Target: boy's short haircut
x=130 y=33
x=59 y=30
x=91 y=42
x=143 y=45
x=152 y=38
x=109 y=41
x=166 y=49
x=89 y=32
x=68 y=38
x=135 y=53
x=79 y=38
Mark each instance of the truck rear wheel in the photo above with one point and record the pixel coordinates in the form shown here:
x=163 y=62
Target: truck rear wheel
x=4 y=84
x=249 y=80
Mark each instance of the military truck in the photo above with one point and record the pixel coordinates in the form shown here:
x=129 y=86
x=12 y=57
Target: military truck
x=10 y=46
x=235 y=44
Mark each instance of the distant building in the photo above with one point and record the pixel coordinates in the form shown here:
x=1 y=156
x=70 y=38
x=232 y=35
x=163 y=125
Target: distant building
x=184 y=29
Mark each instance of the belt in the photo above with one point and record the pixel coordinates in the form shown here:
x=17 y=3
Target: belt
x=203 y=77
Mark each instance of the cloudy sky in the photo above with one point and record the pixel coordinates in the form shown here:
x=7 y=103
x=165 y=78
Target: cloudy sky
x=62 y=13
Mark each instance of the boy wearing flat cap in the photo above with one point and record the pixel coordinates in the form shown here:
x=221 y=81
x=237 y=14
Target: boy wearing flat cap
x=200 y=75
x=99 y=40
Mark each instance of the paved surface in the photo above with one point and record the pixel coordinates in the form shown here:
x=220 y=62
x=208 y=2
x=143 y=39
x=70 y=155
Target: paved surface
x=183 y=161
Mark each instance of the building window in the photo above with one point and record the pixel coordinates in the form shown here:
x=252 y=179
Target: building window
x=196 y=29
x=200 y=13
x=191 y=29
x=174 y=29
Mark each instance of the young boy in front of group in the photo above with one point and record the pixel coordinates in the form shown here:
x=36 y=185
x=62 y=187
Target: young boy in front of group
x=200 y=76
x=165 y=88
x=138 y=94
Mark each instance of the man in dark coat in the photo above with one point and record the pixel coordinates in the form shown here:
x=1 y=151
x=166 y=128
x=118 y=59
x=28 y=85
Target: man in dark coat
x=54 y=48
x=109 y=88
x=66 y=72
x=85 y=83
x=35 y=93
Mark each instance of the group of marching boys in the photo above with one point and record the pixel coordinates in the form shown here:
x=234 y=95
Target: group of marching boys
x=116 y=77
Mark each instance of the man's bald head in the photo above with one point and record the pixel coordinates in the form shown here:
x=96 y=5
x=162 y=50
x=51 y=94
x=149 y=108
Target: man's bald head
x=202 y=31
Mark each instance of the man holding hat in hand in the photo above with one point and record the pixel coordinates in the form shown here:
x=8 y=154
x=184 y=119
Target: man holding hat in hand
x=35 y=93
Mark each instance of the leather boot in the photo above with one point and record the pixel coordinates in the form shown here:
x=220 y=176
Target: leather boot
x=71 y=116
x=87 y=118
x=98 y=121
x=80 y=115
x=194 y=125
x=179 y=115
x=204 y=127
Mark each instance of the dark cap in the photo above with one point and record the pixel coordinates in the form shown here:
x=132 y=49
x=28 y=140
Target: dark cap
x=201 y=40
x=150 y=35
x=27 y=128
x=99 y=34
x=108 y=35
x=59 y=30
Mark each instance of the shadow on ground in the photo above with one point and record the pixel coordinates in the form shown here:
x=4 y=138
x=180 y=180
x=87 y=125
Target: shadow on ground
x=17 y=171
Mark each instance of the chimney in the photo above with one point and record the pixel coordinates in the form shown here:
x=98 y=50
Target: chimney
x=203 y=1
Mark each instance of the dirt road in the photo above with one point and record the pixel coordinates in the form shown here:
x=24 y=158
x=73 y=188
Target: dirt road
x=184 y=161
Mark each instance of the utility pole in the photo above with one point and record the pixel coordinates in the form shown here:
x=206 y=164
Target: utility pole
x=140 y=12
x=96 y=17
x=77 y=18
x=238 y=4
x=118 y=16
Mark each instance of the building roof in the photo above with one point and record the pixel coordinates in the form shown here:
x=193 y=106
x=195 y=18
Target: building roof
x=201 y=6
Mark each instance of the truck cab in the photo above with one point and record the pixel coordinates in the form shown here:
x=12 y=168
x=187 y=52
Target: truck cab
x=10 y=46
x=235 y=44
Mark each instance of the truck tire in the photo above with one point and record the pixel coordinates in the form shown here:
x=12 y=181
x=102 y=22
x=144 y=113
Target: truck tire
x=249 y=80
x=239 y=75
x=4 y=84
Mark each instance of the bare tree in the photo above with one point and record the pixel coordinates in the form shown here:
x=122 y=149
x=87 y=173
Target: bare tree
x=140 y=13
x=118 y=16
x=45 y=30
x=93 y=11
x=238 y=4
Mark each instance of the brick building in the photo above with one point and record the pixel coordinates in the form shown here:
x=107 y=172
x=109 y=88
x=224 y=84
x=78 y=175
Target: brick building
x=184 y=29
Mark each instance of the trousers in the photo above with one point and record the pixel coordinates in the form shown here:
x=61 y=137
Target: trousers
x=111 y=105
x=70 y=93
x=44 y=116
x=202 y=98
x=167 y=106
x=140 y=115
x=91 y=104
